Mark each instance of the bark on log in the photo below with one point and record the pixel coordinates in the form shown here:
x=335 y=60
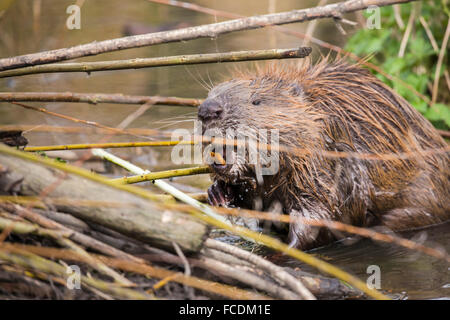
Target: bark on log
x=138 y=218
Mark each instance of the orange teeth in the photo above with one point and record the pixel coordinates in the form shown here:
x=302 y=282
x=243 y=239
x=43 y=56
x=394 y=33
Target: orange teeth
x=218 y=158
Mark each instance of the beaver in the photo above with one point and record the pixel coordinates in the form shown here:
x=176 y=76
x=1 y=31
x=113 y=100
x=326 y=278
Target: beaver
x=336 y=107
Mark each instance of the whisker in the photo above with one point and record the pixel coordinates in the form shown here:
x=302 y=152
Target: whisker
x=196 y=80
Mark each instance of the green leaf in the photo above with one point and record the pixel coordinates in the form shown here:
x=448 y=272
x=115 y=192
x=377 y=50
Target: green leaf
x=438 y=112
x=394 y=65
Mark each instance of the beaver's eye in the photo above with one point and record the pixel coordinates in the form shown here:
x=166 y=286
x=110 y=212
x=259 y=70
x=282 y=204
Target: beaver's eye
x=256 y=102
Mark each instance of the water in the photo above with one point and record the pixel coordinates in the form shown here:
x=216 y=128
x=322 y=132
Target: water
x=31 y=26
x=405 y=273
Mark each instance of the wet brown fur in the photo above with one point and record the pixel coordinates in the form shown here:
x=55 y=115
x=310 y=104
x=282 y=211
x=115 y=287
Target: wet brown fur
x=335 y=106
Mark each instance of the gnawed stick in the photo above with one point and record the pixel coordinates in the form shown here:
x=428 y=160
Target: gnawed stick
x=32 y=261
x=319 y=286
x=163 y=175
x=96 y=98
x=138 y=63
x=94 y=244
x=62 y=238
x=246 y=277
x=144 y=269
x=275 y=271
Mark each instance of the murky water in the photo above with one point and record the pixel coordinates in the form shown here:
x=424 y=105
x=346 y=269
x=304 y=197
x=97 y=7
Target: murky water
x=34 y=25
x=404 y=273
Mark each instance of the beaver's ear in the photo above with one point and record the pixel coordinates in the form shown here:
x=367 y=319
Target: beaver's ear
x=295 y=90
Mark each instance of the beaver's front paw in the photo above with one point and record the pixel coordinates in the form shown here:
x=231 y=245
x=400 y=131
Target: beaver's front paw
x=220 y=194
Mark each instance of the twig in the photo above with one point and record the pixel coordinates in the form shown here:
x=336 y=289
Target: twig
x=108 y=145
x=429 y=34
x=275 y=271
x=398 y=16
x=134 y=115
x=64 y=241
x=139 y=63
x=447 y=79
x=204 y=31
x=28 y=260
x=163 y=175
x=144 y=269
x=96 y=98
x=37 y=202
x=311 y=26
x=64 y=219
x=247 y=277
x=27 y=228
x=439 y=63
x=407 y=33
x=443 y=132
x=89 y=123
x=187 y=267
x=85 y=130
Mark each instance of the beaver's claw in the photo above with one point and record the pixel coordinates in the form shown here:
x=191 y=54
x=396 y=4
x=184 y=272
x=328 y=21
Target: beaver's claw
x=220 y=194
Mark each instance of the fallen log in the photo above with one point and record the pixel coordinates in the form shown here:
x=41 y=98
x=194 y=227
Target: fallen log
x=137 y=218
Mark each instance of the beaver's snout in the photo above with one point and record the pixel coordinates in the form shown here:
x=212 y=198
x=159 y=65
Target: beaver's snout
x=209 y=110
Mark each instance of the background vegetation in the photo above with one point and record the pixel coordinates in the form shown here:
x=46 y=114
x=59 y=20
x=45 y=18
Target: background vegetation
x=417 y=66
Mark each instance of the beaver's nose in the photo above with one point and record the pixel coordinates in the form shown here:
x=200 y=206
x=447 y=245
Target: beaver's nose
x=209 y=110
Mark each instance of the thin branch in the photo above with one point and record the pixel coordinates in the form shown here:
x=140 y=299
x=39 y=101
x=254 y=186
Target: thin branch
x=32 y=261
x=163 y=175
x=107 y=145
x=447 y=79
x=249 y=278
x=398 y=16
x=429 y=34
x=444 y=49
x=204 y=31
x=84 y=130
x=89 y=123
x=275 y=271
x=407 y=33
x=143 y=269
x=139 y=63
x=99 y=246
x=76 y=120
x=52 y=225
x=311 y=27
x=95 y=98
